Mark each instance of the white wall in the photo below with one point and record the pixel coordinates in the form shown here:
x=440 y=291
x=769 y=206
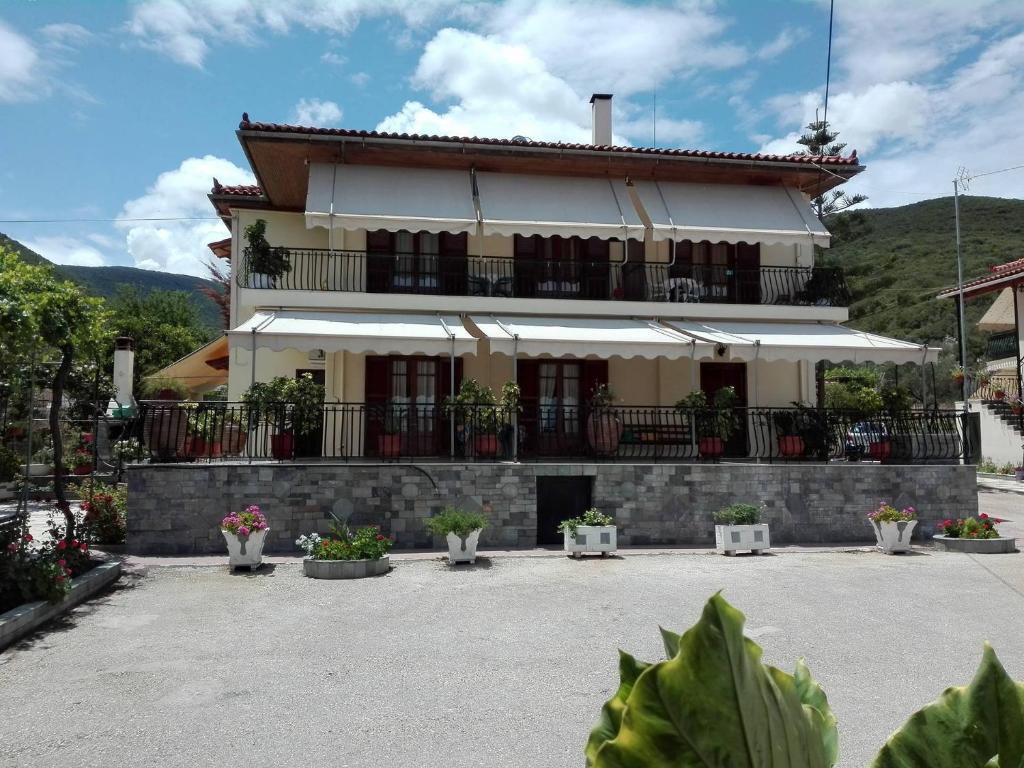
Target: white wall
x=1000 y=443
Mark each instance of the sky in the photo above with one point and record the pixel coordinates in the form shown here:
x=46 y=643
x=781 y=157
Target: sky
x=115 y=112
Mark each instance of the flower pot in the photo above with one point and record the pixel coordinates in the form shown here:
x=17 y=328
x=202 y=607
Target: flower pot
x=462 y=550
x=880 y=451
x=36 y=469
x=1017 y=410
x=282 y=446
x=82 y=469
x=711 y=446
x=260 y=280
x=246 y=551
x=195 y=447
x=164 y=431
x=486 y=446
x=958 y=378
x=731 y=538
x=604 y=431
x=999 y=394
x=791 y=445
x=999 y=546
x=389 y=446
x=345 y=569
x=591 y=538
x=233 y=442
x=894 y=537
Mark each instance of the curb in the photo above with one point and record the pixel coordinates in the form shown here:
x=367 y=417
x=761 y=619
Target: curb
x=24 y=619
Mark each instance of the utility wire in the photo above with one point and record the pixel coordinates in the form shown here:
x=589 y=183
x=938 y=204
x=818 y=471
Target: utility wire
x=74 y=221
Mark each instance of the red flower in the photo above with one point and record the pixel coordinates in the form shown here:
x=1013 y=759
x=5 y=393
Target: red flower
x=61 y=544
x=983 y=516
x=59 y=579
x=12 y=547
x=380 y=537
x=27 y=537
x=61 y=563
x=84 y=546
x=108 y=498
x=74 y=543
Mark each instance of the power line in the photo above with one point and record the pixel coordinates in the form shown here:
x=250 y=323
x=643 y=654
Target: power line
x=77 y=221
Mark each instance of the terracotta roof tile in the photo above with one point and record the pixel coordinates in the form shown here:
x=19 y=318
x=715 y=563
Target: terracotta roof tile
x=247 y=125
x=998 y=274
x=239 y=190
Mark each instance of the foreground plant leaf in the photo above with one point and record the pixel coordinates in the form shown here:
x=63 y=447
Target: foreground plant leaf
x=715 y=704
x=966 y=727
x=611 y=713
x=813 y=696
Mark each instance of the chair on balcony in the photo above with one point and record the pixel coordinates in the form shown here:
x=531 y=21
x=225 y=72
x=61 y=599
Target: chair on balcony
x=684 y=289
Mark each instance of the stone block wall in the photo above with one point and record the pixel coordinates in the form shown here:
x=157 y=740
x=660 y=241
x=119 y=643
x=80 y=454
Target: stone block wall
x=175 y=509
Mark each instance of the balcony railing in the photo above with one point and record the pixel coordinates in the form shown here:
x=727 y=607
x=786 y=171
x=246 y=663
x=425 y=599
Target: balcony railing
x=175 y=432
x=1002 y=345
x=357 y=271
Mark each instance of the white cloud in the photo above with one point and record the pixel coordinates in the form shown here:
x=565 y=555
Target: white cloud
x=67 y=250
x=782 y=42
x=315 y=112
x=178 y=246
x=65 y=36
x=21 y=76
x=184 y=30
x=359 y=79
x=334 y=59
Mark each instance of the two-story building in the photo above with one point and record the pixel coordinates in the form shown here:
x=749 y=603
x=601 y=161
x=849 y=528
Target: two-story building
x=393 y=268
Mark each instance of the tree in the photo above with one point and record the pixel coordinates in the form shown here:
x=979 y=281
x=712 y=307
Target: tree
x=820 y=141
x=42 y=316
x=221 y=294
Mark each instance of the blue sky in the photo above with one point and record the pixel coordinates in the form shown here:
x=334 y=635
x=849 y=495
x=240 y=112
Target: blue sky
x=119 y=111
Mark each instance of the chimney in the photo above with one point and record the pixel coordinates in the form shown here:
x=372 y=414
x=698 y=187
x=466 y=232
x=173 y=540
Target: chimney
x=601 y=116
x=124 y=370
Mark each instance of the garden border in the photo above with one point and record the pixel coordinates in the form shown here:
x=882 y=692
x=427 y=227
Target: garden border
x=1004 y=545
x=26 y=618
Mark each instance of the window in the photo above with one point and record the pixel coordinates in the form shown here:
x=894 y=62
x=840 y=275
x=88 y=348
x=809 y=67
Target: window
x=559 y=398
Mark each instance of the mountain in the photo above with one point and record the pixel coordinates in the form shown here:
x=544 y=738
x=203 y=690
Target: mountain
x=897 y=259
x=106 y=281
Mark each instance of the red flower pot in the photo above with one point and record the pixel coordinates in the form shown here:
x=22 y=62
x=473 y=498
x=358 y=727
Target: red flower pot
x=1017 y=410
x=83 y=469
x=486 y=445
x=282 y=446
x=711 y=446
x=999 y=394
x=791 y=445
x=880 y=451
x=604 y=431
x=389 y=446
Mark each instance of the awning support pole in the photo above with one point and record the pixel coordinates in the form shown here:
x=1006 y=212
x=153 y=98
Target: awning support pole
x=515 y=411
x=451 y=385
x=693 y=365
x=757 y=351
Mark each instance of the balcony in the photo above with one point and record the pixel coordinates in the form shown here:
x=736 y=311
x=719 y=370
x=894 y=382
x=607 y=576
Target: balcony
x=1002 y=345
x=217 y=431
x=401 y=273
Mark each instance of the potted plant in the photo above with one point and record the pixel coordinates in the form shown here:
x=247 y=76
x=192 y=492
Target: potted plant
x=999 y=393
x=81 y=461
x=163 y=388
x=266 y=263
x=42 y=463
x=1017 y=407
x=973 y=535
x=10 y=467
x=739 y=527
x=604 y=428
x=245 y=533
x=982 y=378
x=477 y=410
x=288 y=406
x=508 y=407
x=389 y=444
x=716 y=421
x=593 y=531
x=165 y=421
x=893 y=527
x=127 y=450
x=206 y=430
x=790 y=441
x=233 y=435
x=345 y=555
x=958 y=374
x=461 y=530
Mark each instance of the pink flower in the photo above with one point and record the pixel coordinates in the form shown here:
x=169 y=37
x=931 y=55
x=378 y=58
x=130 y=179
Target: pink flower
x=84 y=546
x=243 y=530
x=27 y=537
x=12 y=547
x=62 y=544
x=61 y=563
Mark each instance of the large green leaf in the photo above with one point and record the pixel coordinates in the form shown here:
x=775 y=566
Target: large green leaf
x=671 y=641
x=715 y=704
x=611 y=713
x=813 y=696
x=966 y=727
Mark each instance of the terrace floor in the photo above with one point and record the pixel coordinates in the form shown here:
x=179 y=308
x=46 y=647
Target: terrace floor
x=502 y=664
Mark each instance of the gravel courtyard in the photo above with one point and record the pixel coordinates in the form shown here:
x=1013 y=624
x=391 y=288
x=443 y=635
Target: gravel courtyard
x=502 y=664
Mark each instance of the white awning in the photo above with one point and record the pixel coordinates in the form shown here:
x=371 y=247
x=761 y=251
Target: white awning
x=586 y=337
x=804 y=341
x=731 y=213
x=520 y=204
x=377 y=334
x=378 y=197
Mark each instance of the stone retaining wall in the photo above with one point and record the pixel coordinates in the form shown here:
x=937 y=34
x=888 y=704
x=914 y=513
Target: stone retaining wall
x=175 y=509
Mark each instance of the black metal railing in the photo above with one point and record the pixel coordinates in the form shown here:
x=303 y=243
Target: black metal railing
x=1002 y=345
x=997 y=387
x=431 y=274
x=178 y=432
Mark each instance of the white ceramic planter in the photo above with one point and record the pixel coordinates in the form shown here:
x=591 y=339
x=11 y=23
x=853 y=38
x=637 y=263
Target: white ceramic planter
x=247 y=551
x=591 y=538
x=260 y=280
x=7 y=491
x=894 y=537
x=345 y=569
x=731 y=538
x=37 y=470
x=1001 y=546
x=463 y=551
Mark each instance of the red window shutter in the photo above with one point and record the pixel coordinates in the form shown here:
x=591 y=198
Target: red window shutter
x=444 y=378
x=525 y=265
x=595 y=373
x=378 y=378
x=748 y=273
x=380 y=241
x=380 y=261
x=454 y=263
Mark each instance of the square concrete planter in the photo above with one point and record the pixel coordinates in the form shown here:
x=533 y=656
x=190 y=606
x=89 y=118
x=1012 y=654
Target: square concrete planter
x=894 y=537
x=462 y=550
x=730 y=539
x=246 y=551
x=1001 y=546
x=345 y=569
x=8 y=491
x=591 y=538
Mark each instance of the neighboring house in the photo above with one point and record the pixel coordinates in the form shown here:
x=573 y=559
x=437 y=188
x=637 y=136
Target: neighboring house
x=558 y=266
x=998 y=399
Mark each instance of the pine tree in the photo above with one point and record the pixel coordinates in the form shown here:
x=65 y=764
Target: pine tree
x=820 y=141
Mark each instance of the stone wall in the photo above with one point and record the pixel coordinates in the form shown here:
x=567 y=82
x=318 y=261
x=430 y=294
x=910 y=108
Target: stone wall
x=175 y=509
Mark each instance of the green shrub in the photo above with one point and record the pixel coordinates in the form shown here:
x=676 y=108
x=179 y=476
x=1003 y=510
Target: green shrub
x=457 y=521
x=365 y=544
x=738 y=514
x=10 y=464
x=591 y=517
x=713 y=703
x=106 y=512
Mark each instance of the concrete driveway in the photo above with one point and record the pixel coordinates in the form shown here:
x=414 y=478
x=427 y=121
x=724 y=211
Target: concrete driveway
x=504 y=664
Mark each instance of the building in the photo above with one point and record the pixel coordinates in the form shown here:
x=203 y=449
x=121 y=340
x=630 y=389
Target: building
x=392 y=268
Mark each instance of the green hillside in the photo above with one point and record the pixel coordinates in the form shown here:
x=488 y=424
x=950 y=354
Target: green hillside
x=106 y=281
x=898 y=258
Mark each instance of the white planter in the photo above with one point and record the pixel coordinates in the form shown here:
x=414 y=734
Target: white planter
x=345 y=569
x=37 y=470
x=246 y=552
x=591 y=538
x=894 y=537
x=463 y=551
x=731 y=538
x=7 y=491
x=260 y=280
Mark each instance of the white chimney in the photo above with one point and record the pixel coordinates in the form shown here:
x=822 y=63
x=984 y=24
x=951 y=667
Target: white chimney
x=601 y=117
x=124 y=370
